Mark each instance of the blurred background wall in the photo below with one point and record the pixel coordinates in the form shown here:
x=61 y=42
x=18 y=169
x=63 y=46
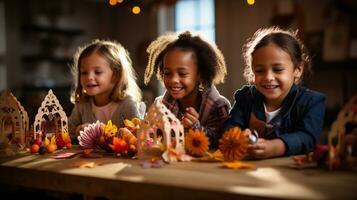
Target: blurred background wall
x=39 y=37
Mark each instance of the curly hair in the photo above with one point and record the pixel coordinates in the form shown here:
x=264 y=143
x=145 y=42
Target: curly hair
x=120 y=63
x=286 y=40
x=210 y=60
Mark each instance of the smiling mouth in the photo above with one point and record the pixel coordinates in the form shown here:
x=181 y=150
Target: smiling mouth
x=270 y=86
x=176 y=89
x=91 y=85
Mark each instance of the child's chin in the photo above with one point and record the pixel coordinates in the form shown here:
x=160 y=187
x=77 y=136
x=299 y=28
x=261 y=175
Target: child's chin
x=176 y=96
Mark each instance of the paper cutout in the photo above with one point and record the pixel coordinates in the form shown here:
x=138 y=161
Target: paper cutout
x=339 y=151
x=160 y=131
x=50 y=116
x=14 y=121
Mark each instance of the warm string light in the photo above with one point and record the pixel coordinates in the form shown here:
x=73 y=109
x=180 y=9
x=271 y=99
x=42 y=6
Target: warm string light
x=135 y=10
x=250 y=2
x=114 y=2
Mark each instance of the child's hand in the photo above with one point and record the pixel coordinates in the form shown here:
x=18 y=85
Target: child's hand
x=190 y=117
x=81 y=128
x=266 y=148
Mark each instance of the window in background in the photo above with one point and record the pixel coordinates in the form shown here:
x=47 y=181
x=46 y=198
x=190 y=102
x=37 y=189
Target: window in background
x=3 y=77
x=197 y=16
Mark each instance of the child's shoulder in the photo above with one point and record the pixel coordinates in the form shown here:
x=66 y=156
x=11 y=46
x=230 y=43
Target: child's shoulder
x=306 y=94
x=245 y=92
x=126 y=101
x=82 y=105
x=213 y=95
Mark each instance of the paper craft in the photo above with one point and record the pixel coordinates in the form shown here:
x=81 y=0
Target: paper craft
x=14 y=121
x=65 y=155
x=50 y=118
x=159 y=132
x=339 y=151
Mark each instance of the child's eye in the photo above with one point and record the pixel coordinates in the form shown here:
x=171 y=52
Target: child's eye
x=84 y=73
x=98 y=72
x=278 y=69
x=166 y=73
x=257 y=71
x=183 y=74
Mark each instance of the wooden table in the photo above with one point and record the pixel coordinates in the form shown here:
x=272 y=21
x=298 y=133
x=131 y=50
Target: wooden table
x=118 y=178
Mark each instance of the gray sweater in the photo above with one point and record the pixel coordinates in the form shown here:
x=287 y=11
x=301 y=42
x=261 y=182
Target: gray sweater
x=82 y=113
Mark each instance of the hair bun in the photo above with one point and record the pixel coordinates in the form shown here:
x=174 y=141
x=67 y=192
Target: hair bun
x=185 y=36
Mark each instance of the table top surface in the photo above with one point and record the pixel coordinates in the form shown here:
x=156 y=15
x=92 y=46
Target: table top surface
x=111 y=176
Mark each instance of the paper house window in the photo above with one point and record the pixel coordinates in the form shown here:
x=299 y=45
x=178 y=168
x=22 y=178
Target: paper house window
x=50 y=118
x=160 y=126
x=14 y=121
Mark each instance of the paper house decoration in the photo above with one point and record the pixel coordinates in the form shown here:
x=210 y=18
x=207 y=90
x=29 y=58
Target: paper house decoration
x=337 y=134
x=14 y=121
x=50 y=117
x=161 y=123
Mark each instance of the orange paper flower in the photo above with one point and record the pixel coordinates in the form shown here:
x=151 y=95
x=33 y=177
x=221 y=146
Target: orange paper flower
x=233 y=144
x=196 y=143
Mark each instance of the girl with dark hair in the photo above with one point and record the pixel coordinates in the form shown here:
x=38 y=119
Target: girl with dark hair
x=287 y=117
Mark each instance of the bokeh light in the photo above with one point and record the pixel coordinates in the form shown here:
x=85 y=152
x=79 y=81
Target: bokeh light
x=251 y=2
x=136 y=10
x=113 y=2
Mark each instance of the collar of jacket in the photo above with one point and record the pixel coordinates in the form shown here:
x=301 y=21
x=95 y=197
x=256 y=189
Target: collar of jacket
x=258 y=106
x=209 y=92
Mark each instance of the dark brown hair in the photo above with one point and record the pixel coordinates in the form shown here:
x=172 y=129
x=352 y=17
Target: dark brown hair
x=286 y=40
x=210 y=60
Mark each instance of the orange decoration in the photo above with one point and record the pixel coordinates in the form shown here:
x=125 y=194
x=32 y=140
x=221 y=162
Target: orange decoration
x=51 y=148
x=35 y=148
x=119 y=145
x=238 y=165
x=69 y=145
x=233 y=144
x=196 y=143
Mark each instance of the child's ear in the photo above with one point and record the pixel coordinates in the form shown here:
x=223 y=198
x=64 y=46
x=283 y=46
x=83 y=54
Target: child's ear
x=116 y=76
x=298 y=71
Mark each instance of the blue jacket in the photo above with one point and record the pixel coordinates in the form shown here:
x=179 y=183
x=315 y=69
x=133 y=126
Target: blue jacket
x=298 y=123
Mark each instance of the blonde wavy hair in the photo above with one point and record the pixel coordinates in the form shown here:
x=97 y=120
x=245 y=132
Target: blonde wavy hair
x=120 y=63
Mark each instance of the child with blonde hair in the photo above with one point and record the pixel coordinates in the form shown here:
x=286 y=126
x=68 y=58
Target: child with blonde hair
x=287 y=116
x=189 y=67
x=105 y=86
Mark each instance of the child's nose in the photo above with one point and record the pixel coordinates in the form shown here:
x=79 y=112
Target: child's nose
x=269 y=76
x=90 y=76
x=175 y=78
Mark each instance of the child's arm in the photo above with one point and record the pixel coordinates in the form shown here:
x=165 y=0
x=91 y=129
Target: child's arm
x=213 y=125
x=74 y=121
x=266 y=148
x=307 y=127
x=190 y=118
x=80 y=128
x=240 y=113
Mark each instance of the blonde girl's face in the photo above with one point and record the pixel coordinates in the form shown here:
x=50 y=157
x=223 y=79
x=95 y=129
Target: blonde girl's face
x=96 y=78
x=274 y=74
x=180 y=74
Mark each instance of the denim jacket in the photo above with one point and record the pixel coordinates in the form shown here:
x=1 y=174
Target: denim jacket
x=298 y=123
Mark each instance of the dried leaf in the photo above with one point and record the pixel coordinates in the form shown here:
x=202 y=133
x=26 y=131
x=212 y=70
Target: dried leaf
x=238 y=165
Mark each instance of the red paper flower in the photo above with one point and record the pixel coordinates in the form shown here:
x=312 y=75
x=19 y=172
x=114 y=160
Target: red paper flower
x=119 y=145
